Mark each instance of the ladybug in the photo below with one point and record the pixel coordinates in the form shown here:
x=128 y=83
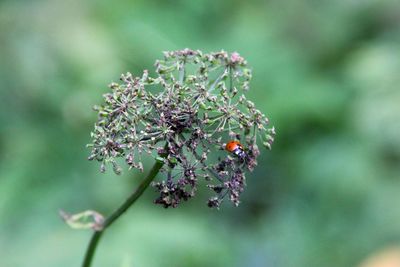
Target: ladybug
x=236 y=148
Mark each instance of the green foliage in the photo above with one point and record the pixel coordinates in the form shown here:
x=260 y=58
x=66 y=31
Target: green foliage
x=326 y=73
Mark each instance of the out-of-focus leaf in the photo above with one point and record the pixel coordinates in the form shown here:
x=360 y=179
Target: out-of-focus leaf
x=88 y=219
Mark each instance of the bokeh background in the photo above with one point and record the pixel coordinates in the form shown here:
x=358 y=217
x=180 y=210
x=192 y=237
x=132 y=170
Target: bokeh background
x=326 y=73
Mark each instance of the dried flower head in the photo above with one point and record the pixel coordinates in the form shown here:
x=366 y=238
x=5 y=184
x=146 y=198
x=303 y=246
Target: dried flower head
x=186 y=114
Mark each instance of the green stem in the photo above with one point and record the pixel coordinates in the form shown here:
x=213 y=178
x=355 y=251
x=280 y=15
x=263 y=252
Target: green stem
x=216 y=81
x=182 y=73
x=91 y=249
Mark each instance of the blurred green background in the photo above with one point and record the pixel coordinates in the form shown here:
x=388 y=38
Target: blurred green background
x=325 y=72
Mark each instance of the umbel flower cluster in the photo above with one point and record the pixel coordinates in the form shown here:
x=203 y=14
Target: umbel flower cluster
x=185 y=114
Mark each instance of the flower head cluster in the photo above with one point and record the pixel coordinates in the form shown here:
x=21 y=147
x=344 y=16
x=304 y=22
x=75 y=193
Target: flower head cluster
x=185 y=114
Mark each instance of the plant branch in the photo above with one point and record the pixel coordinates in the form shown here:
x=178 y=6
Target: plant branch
x=91 y=249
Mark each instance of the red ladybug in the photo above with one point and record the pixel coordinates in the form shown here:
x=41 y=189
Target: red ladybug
x=236 y=148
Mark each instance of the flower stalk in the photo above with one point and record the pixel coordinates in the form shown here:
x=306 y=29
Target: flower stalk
x=91 y=249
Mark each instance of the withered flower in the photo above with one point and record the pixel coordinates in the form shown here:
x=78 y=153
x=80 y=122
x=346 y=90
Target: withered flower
x=185 y=114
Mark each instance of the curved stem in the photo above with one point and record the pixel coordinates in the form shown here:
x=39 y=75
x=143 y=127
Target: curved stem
x=91 y=249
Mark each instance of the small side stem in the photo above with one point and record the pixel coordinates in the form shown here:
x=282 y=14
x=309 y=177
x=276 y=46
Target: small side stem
x=182 y=73
x=216 y=81
x=91 y=249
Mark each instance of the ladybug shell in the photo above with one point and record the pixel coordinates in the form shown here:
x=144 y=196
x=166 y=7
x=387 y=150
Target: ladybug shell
x=233 y=145
x=236 y=148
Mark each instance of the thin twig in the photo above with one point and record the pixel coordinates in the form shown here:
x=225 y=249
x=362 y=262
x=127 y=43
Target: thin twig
x=91 y=249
